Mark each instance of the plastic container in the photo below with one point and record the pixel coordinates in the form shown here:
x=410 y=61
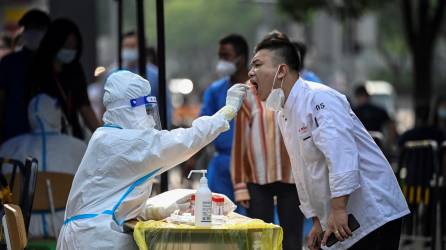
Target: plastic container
x=218 y=203
x=192 y=204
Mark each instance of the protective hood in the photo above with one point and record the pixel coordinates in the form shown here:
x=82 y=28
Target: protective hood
x=44 y=114
x=119 y=89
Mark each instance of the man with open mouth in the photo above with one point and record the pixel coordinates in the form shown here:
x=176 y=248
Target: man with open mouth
x=337 y=167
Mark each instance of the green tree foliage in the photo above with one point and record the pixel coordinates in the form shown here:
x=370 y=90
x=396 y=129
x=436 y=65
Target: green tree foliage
x=392 y=46
x=197 y=23
x=342 y=9
x=193 y=29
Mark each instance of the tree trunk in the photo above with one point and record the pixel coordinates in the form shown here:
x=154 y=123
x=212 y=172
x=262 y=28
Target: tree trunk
x=422 y=22
x=422 y=76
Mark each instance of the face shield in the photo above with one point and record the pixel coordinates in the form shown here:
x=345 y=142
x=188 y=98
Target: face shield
x=151 y=108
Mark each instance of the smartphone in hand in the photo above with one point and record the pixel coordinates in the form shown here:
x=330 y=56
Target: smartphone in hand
x=353 y=224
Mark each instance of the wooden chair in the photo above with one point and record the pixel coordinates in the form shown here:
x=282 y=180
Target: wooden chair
x=14 y=227
x=52 y=192
x=60 y=185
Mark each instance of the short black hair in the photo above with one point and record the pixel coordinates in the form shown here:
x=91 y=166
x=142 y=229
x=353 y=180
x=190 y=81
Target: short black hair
x=279 y=43
x=361 y=91
x=151 y=55
x=129 y=34
x=302 y=50
x=238 y=42
x=35 y=19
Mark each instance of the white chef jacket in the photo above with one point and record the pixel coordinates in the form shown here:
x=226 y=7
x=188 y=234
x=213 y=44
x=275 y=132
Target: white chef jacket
x=333 y=155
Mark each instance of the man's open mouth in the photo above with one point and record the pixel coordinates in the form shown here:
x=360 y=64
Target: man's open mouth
x=254 y=84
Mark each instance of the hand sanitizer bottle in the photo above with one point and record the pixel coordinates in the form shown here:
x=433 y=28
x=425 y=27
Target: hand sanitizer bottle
x=203 y=201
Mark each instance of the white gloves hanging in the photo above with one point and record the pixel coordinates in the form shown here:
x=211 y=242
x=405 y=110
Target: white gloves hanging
x=234 y=101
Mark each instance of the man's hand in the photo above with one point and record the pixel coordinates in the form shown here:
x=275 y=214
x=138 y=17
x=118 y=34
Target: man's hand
x=337 y=222
x=244 y=203
x=314 y=240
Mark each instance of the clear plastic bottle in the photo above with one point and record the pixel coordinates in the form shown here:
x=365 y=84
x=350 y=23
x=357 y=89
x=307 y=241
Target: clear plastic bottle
x=203 y=201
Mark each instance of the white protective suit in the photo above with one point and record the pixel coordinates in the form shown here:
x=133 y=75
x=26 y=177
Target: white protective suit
x=113 y=180
x=333 y=155
x=54 y=151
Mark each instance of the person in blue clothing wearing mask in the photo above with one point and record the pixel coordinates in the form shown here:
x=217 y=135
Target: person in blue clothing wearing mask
x=129 y=55
x=14 y=69
x=232 y=67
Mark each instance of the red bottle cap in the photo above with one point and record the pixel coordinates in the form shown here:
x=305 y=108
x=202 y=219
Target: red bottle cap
x=217 y=198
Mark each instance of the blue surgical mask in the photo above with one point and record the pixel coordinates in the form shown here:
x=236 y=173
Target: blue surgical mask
x=66 y=56
x=129 y=55
x=441 y=112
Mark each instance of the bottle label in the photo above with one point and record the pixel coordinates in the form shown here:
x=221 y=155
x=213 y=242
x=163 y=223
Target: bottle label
x=207 y=211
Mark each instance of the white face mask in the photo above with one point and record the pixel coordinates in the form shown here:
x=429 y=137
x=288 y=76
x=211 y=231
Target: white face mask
x=129 y=55
x=32 y=38
x=276 y=99
x=66 y=55
x=225 y=68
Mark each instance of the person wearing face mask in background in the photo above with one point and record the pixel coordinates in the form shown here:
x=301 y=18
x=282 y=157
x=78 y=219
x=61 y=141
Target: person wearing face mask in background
x=232 y=67
x=57 y=72
x=14 y=69
x=426 y=129
x=130 y=55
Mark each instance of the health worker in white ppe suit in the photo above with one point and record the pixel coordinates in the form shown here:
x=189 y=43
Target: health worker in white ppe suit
x=113 y=180
x=54 y=151
x=337 y=167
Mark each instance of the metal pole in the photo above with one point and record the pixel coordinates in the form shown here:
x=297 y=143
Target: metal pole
x=119 y=2
x=161 y=75
x=141 y=38
x=49 y=190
